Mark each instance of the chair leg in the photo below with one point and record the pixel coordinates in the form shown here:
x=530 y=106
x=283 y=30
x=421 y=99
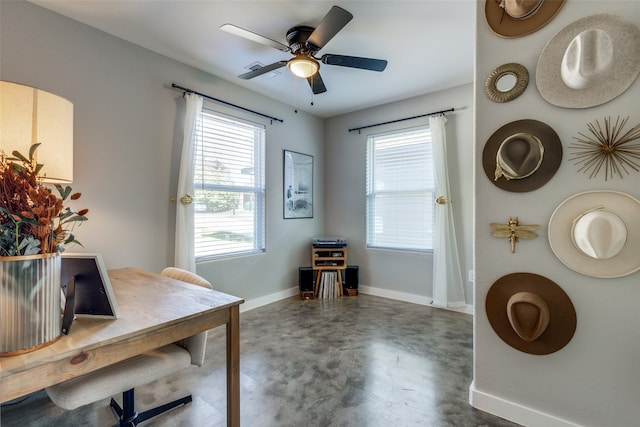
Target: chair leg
x=143 y=416
x=127 y=415
x=115 y=408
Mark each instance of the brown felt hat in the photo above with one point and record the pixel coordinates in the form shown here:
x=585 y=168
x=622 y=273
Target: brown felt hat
x=522 y=155
x=531 y=313
x=517 y=18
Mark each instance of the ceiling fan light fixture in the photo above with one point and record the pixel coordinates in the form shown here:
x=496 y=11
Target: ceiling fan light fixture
x=303 y=66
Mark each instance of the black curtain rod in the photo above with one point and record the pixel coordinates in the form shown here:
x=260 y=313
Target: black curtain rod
x=402 y=120
x=173 y=85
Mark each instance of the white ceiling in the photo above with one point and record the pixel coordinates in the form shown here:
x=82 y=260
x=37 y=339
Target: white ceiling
x=429 y=44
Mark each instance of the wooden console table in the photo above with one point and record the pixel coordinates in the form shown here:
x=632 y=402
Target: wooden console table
x=154 y=311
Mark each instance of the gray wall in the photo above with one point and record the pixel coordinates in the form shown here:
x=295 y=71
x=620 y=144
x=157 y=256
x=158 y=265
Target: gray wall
x=127 y=135
x=127 y=143
x=388 y=273
x=593 y=381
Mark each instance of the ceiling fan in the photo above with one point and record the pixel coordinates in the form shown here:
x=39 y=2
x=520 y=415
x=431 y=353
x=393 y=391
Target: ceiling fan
x=304 y=43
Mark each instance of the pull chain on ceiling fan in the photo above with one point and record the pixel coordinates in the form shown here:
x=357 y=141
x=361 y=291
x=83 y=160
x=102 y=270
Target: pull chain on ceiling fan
x=304 y=43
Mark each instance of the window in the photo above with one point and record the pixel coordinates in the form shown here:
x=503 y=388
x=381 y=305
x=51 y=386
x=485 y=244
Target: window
x=229 y=186
x=400 y=190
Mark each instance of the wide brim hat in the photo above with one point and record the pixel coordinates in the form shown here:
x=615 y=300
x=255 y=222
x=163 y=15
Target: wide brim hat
x=525 y=137
x=531 y=313
x=504 y=25
x=590 y=62
x=597 y=233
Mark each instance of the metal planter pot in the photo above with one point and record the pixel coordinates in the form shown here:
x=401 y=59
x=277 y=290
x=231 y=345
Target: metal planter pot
x=30 y=312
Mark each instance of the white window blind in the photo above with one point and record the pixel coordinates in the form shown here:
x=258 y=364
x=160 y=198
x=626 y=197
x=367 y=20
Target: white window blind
x=229 y=186
x=400 y=190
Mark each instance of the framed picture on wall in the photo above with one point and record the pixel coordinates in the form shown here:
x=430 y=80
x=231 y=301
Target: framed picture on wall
x=298 y=185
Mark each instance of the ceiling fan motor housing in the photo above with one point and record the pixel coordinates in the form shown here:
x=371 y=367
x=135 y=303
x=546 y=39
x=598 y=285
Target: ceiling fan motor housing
x=297 y=39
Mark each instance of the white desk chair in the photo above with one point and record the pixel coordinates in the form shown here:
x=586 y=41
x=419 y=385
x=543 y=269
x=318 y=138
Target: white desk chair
x=124 y=376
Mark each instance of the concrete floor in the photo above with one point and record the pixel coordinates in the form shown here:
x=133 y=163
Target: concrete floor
x=352 y=361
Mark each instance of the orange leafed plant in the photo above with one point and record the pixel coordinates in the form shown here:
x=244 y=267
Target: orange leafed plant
x=33 y=220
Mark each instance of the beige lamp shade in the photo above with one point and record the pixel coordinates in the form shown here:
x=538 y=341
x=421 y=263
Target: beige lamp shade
x=29 y=116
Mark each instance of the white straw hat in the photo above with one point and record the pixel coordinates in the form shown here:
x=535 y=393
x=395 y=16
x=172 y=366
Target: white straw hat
x=589 y=62
x=597 y=233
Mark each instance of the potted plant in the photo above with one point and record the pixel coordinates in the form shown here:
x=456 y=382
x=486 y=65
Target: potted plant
x=35 y=225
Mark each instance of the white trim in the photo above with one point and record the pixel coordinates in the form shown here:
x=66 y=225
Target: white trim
x=412 y=298
x=268 y=299
x=515 y=412
x=367 y=290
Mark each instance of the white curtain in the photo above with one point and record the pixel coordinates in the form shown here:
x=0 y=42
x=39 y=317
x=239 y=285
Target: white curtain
x=448 y=288
x=184 y=250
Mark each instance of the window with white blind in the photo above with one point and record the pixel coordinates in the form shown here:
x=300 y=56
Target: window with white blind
x=400 y=190
x=229 y=186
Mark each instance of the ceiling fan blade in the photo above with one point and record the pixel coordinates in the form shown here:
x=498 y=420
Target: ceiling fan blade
x=316 y=83
x=249 y=35
x=331 y=24
x=263 y=70
x=354 y=62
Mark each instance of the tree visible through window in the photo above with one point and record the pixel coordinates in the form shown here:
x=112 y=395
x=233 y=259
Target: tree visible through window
x=229 y=186
x=400 y=190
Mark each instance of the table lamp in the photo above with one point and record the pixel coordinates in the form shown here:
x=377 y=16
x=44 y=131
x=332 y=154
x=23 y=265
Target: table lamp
x=29 y=116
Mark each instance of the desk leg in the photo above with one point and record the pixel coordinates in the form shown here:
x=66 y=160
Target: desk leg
x=233 y=368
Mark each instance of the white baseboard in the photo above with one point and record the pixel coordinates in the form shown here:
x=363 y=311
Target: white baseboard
x=407 y=297
x=268 y=299
x=368 y=290
x=514 y=412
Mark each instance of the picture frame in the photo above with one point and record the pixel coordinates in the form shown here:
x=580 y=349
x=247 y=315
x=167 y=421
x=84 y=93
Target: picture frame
x=93 y=296
x=297 y=185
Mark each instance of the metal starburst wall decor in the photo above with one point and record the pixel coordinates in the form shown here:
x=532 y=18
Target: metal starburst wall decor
x=609 y=148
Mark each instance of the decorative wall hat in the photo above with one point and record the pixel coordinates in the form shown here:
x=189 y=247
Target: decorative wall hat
x=517 y=18
x=522 y=155
x=597 y=233
x=531 y=313
x=589 y=62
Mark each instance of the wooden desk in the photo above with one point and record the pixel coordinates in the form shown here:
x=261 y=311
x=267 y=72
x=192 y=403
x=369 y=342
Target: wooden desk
x=155 y=310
